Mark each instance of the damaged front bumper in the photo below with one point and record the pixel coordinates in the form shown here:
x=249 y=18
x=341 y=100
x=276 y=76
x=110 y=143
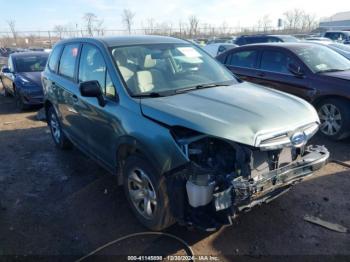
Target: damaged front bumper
x=209 y=201
x=244 y=194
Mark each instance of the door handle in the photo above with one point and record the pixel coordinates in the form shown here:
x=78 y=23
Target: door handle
x=261 y=74
x=75 y=99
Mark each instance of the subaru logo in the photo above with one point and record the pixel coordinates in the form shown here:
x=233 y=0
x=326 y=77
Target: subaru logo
x=298 y=139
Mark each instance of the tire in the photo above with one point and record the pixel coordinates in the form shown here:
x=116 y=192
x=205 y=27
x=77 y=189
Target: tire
x=334 y=115
x=6 y=93
x=151 y=181
x=19 y=102
x=58 y=137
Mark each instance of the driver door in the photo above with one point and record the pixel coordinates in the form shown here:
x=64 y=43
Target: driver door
x=273 y=72
x=99 y=121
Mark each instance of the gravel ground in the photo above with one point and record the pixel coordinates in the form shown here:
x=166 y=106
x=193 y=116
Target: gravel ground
x=61 y=205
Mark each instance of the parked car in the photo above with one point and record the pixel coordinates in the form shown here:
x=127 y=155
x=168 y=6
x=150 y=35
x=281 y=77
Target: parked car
x=319 y=39
x=217 y=49
x=188 y=141
x=342 y=49
x=315 y=73
x=35 y=48
x=221 y=40
x=253 y=39
x=22 y=78
x=339 y=36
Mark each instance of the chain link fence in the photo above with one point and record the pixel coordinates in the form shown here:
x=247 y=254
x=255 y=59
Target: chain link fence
x=46 y=39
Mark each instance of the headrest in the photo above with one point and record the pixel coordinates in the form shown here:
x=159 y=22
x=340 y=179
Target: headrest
x=149 y=62
x=120 y=58
x=145 y=81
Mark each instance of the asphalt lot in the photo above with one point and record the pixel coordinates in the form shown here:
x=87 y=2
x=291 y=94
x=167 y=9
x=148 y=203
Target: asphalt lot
x=60 y=203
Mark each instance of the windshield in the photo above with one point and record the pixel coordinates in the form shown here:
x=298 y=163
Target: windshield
x=33 y=63
x=322 y=59
x=168 y=68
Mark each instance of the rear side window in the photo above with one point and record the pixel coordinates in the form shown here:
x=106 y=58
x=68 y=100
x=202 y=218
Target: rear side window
x=273 y=40
x=333 y=36
x=54 y=58
x=243 y=59
x=240 y=41
x=254 y=40
x=68 y=59
x=275 y=61
x=93 y=67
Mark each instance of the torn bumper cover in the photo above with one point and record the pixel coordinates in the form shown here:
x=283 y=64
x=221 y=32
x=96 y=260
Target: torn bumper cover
x=244 y=194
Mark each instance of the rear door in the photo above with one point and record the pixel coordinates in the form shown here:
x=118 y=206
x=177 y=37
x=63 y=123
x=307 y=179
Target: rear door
x=243 y=63
x=67 y=94
x=273 y=72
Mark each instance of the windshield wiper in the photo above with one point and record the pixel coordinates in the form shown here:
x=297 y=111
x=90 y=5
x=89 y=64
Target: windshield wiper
x=201 y=86
x=152 y=94
x=332 y=70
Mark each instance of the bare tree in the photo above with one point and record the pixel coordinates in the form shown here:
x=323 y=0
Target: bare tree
x=99 y=27
x=59 y=30
x=309 y=22
x=90 y=19
x=12 y=25
x=264 y=23
x=193 y=22
x=150 y=26
x=128 y=19
x=223 y=28
x=293 y=19
x=182 y=28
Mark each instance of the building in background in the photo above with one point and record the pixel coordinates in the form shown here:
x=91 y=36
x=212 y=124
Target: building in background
x=338 y=21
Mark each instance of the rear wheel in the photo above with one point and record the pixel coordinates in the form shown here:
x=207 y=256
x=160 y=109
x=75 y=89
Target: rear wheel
x=146 y=192
x=59 y=138
x=334 y=115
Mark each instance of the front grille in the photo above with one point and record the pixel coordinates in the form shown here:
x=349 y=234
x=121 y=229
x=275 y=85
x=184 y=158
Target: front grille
x=264 y=161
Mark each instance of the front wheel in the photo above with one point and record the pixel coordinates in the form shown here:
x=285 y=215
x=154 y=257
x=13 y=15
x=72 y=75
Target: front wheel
x=6 y=93
x=21 y=106
x=59 y=138
x=146 y=192
x=334 y=115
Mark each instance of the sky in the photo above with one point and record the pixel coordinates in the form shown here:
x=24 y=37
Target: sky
x=45 y=14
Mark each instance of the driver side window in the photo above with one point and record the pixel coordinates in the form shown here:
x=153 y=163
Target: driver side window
x=10 y=64
x=93 y=67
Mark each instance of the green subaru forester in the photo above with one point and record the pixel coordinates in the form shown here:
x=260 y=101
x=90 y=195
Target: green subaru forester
x=189 y=141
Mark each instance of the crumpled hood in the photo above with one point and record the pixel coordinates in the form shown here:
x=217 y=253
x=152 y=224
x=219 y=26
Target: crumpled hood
x=341 y=74
x=34 y=77
x=239 y=112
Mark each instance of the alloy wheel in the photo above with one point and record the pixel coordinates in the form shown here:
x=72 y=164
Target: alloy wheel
x=142 y=193
x=55 y=128
x=331 y=119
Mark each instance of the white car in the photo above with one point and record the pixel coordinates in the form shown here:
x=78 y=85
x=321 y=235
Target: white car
x=342 y=49
x=218 y=48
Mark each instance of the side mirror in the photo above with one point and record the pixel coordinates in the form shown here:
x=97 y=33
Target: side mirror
x=6 y=70
x=296 y=70
x=92 y=89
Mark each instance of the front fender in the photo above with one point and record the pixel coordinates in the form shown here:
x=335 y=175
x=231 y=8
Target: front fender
x=155 y=143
